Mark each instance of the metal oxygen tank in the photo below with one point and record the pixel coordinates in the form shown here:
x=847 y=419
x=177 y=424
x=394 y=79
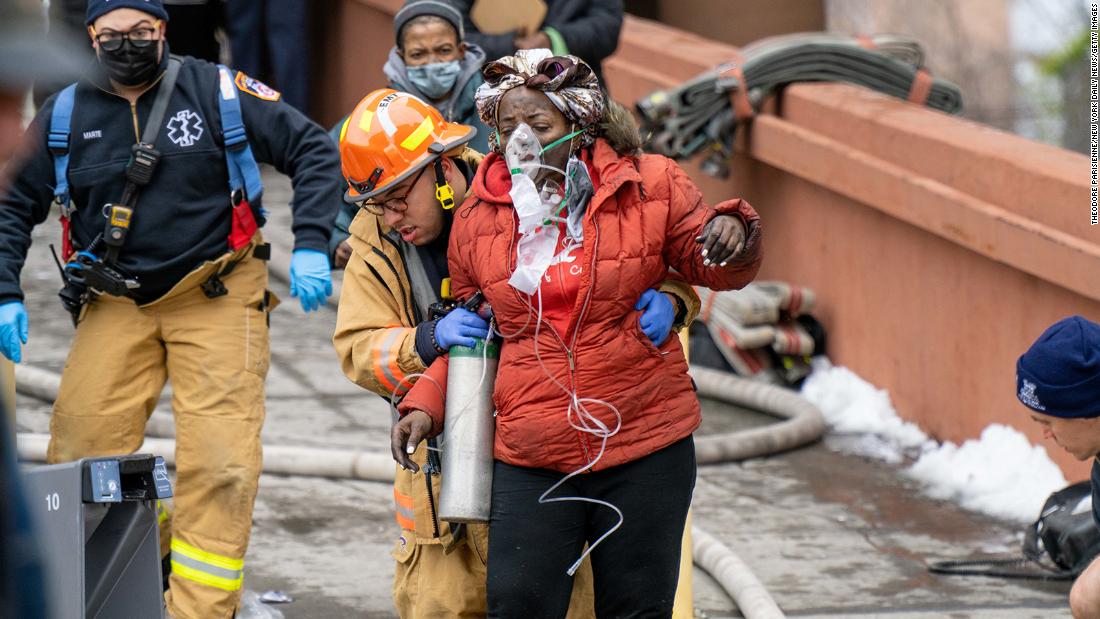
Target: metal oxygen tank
x=467 y=477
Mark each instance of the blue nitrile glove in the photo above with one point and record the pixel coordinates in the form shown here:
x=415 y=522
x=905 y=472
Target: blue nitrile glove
x=656 y=320
x=13 y=330
x=459 y=328
x=310 y=278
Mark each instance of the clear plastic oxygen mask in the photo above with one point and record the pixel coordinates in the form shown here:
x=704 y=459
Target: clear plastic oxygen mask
x=537 y=210
x=523 y=153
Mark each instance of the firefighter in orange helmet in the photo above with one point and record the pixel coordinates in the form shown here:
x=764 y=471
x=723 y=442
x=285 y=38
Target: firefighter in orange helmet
x=405 y=168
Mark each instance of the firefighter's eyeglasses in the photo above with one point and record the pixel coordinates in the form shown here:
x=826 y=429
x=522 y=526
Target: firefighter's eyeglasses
x=397 y=204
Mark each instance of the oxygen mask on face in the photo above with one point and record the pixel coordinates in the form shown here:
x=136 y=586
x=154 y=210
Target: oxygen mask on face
x=538 y=210
x=523 y=153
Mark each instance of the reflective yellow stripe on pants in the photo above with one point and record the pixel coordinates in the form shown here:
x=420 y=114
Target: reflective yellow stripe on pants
x=206 y=567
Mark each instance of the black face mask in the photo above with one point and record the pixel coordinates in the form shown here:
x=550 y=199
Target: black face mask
x=129 y=65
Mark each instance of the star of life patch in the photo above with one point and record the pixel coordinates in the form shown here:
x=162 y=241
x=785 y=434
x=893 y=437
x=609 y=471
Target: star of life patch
x=256 y=88
x=185 y=128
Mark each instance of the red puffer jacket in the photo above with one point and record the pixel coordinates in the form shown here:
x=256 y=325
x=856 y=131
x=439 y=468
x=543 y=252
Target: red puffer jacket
x=643 y=219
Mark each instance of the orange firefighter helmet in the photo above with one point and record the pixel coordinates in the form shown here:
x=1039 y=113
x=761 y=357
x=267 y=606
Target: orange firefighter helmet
x=389 y=137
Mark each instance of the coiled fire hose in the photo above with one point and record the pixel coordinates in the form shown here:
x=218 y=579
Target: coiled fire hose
x=703 y=114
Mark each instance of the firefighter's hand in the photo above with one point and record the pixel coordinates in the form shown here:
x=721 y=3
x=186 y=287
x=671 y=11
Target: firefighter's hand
x=461 y=327
x=723 y=239
x=658 y=314
x=343 y=254
x=406 y=435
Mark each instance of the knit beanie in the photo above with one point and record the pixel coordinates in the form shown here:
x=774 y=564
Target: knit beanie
x=1060 y=374
x=97 y=8
x=417 y=8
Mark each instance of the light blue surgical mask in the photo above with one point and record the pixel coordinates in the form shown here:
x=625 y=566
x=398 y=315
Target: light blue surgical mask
x=437 y=79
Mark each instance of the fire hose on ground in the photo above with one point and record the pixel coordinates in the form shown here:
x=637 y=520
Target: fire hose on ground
x=278 y=459
x=802 y=424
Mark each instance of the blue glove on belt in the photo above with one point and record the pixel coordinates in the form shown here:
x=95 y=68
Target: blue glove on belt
x=13 y=330
x=459 y=328
x=310 y=278
x=656 y=320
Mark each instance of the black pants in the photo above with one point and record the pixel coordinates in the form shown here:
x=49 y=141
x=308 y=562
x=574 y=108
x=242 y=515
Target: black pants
x=269 y=40
x=531 y=545
x=193 y=29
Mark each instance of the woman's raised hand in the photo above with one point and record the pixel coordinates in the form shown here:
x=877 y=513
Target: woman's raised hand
x=723 y=238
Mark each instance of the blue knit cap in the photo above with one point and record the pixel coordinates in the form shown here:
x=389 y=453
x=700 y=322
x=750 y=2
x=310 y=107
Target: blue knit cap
x=96 y=8
x=1060 y=374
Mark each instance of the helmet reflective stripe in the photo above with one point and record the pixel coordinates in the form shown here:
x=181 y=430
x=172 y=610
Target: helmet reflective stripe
x=416 y=138
x=384 y=116
x=344 y=128
x=364 y=120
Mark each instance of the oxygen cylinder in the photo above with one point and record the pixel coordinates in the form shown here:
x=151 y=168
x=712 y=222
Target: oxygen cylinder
x=467 y=476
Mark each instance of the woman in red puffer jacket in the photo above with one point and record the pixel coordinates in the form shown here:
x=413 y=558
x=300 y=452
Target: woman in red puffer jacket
x=574 y=356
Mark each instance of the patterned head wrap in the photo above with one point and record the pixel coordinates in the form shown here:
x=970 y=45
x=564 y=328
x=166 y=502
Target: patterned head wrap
x=567 y=81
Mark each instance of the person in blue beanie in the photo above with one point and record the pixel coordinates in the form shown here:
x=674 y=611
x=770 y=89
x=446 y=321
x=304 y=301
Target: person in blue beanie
x=1058 y=379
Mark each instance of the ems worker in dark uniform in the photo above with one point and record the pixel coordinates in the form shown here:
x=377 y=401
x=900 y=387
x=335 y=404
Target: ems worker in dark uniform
x=165 y=274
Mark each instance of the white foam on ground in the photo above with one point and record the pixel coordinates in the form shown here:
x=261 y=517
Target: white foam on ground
x=1001 y=474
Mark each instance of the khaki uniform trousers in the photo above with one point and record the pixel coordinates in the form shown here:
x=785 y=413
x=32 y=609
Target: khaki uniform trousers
x=432 y=583
x=438 y=578
x=215 y=352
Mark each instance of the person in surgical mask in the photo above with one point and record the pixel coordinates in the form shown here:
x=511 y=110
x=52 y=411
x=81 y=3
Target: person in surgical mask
x=432 y=61
x=567 y=232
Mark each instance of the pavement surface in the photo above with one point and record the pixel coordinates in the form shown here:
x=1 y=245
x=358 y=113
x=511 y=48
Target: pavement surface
x=830 y=535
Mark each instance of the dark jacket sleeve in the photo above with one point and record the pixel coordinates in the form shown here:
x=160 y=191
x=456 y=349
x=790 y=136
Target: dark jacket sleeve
x=25 y=204
x=340 y=231
x=593 y=34
x=495 y=45
x=298 y=147
x=346 y=212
